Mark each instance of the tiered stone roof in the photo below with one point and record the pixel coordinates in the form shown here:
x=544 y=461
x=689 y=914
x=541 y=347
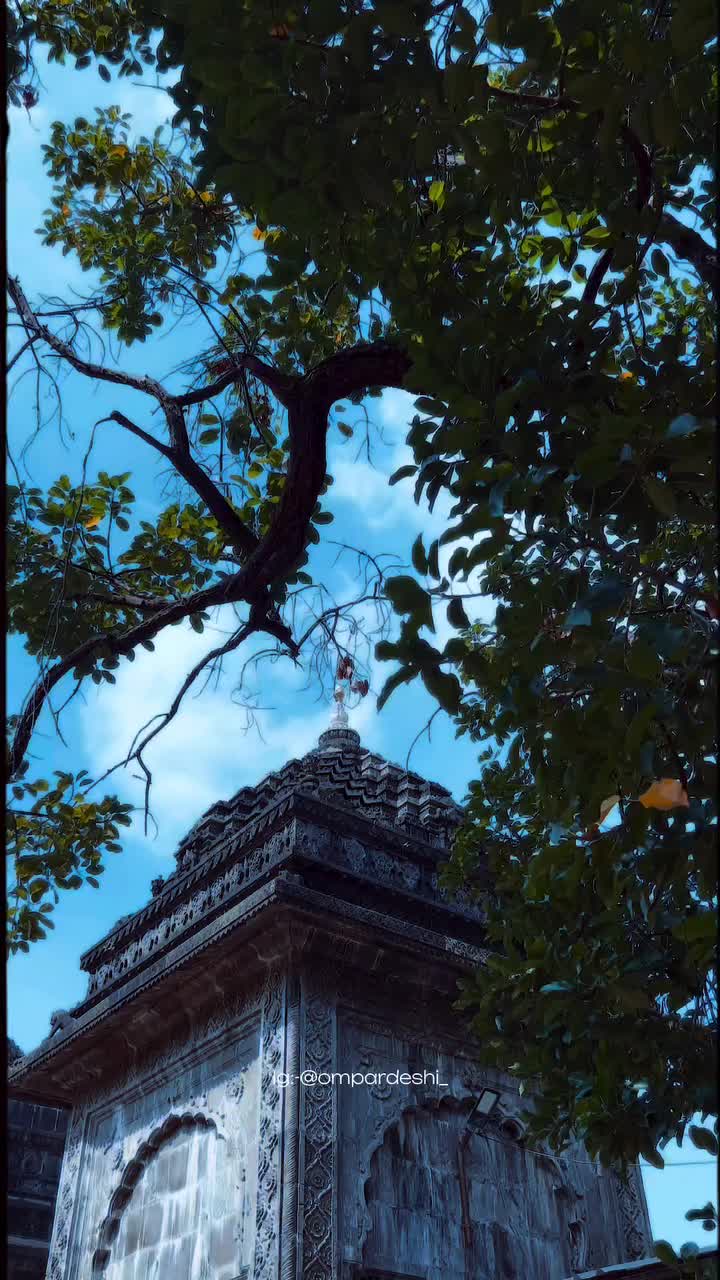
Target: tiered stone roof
x=342 y=771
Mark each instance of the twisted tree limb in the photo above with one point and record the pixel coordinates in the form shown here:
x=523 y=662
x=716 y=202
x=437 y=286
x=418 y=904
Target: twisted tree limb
x=266 y=561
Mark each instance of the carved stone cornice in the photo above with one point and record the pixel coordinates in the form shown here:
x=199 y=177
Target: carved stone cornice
x=283 y=917
x=292 y=806
x=303 y=834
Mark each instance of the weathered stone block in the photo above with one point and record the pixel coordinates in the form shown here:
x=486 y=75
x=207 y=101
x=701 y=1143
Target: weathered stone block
x=178 y=1167
x=152 y=1224
x=223 y=1248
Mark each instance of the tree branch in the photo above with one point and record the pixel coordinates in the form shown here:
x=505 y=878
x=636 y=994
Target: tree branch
x=136 y=752
x=536 y=100
x=122 y=600
x=119 y=646
x=99 y=372
x=365 y=365
x=122 y=421
x=688 y=244
x=280 y=384
x=277 y=553
x=238 y=533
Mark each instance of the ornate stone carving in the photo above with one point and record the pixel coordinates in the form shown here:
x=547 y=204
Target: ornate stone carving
x=66 y=1199
x=368 y=842
x=632 y=1214
x=268 y=1178
x=364 y=785
x=319 y=1130
x=60 y=1021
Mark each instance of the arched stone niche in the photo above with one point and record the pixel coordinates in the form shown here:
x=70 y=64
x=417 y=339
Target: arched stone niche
x=175 y=1212
x=524 y=1217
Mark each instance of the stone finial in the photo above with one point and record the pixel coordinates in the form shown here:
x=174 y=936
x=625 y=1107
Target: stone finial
x=339 y=734
x=339 y=717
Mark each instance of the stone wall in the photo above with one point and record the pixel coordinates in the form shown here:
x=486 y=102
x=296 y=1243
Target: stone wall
x=161 y=1173
x=200 y=1166
x=528 y=1213
x=35 y=1141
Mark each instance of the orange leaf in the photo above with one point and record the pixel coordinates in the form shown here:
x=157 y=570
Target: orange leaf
x=281 y=32
x=666 y=793
x=627 y=376
x=258 y=234
x=607 y=806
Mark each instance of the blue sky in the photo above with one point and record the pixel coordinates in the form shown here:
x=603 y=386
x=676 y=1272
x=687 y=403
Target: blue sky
x=209 y=751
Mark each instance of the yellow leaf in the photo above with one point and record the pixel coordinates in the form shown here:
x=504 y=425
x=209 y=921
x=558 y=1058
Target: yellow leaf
x=118 y=151
x=607 y=806
x=666 y=793
x=93 y=522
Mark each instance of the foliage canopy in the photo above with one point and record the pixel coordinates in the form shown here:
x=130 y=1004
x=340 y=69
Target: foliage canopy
x=505 y=209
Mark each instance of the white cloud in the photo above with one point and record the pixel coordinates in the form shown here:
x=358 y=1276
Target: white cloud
x=366 y=487
x=208 y=751
x=364 y=484
x=149 y=105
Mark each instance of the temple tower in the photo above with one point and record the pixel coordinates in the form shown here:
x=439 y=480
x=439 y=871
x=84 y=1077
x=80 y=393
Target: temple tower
x=301 y=936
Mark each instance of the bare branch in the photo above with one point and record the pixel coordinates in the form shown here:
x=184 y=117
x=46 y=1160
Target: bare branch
x=281 y=385
x=122 y=421
x=99 y=372
x=238 y=533
x=136 y=753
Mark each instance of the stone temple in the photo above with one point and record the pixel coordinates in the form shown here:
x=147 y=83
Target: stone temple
x=303 y=933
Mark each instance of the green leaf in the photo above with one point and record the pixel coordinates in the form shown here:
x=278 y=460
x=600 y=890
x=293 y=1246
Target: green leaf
x=401 y=676
x=419 y=559
x=456 y=614
x=210 y=436
x=402 y=473
x=407 y=596
x=652 y=1156
x=577 y=617
x=684 y=425
x=661 y=495
x=703 y=1138
x=436 y=194
x=660 y=263
x=697 y=1215
x=444 y=687
x=426 y=404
